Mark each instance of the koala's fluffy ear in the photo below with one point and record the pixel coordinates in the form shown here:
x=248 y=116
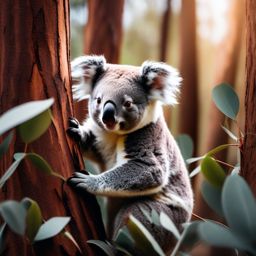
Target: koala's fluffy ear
x=162 y=81
x=84 y=71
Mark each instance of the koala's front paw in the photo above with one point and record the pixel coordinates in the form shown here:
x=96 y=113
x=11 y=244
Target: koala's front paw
x=74 y=130
x=83 y=182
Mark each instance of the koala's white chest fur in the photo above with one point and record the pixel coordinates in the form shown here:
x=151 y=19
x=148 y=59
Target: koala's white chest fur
x=112 y=149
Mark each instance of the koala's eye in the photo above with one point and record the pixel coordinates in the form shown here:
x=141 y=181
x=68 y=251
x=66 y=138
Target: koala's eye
x=98 y=100
x=128 y=104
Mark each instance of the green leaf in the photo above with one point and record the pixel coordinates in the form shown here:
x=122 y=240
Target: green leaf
x=72 y=239
x=186 y=146
x=213 y=172
x=146 y=214
x=144 y=241
x=14 y=214
x=190 y=236
x=2 y=242
x=51 y=228
x=40 y=163
x=168 y=224
x=155 y=217
x=35 y=127
x=239 y=206
x=124 y=239
x=226 y=100
x=6 y=143
x=23 y=113
x=195 y=171
x=212 y=196
x=34 y=218
x=217 y=235
x=11 y=169
x=219 y=148
x=229 y=133
x=105 y=247
x=194 y=159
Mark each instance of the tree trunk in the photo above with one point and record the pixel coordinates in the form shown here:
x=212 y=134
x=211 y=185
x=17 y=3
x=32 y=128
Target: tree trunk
x=103 y=36
x=103 y=32
x=225 y=71
x=188 y=122
x=165 y=31
x=34 y=65
x=248 y=169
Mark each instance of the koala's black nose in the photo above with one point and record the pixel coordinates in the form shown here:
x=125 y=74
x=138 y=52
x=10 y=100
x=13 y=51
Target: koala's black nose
x=109 y=112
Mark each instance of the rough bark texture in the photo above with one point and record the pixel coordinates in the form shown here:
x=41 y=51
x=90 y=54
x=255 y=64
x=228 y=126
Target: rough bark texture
x=103 y=36
x=248 y=170
x=34 y=65
x=103 y=32
x=188 y=122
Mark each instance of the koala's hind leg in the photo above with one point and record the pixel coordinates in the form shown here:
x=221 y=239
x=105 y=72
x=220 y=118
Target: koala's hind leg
x=164 y=238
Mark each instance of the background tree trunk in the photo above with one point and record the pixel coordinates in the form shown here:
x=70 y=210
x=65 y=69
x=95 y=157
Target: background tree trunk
x=103 y=32
x=103 y=36
x=34 y=64
x=165 y=31
x=248 y=169
x=188 y=122
x=225 y=71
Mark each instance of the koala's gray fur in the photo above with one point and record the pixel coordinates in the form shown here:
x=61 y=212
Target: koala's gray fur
x=127 y=136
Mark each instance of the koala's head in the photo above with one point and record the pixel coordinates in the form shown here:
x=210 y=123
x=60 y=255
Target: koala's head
x=124 y=98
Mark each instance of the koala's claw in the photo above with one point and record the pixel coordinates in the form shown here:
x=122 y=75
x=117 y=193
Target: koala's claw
x=82 y=181
x=73 y=122
x=74 y=133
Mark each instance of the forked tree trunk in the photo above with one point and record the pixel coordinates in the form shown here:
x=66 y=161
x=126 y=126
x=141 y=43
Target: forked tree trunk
x=34 y=65
x=188 y=122
x=248 y=170
x=103 y=36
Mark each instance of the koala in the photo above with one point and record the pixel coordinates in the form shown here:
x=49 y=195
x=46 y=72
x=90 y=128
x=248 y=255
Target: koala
x=126 y=135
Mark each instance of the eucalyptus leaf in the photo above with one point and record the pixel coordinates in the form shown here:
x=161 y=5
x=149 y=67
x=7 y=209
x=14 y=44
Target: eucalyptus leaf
x=35 y=127
x=212 y=196
x=146 y=214
x=186 y=146
x=104 y=246
x=168 y=224
x=12 y=169
x=189 y=236
x=6 y=143
x=217 y=235
x=72 y=239
x=34 y=218
x=23 y=113
x=213 y=172
x=195 y=171
x=226 y=100
x=51 y=228
x=194 y=159
x=155 y=217
x=144 y=241
x=14 y=214
x=124 y=239
x=239 y=207
x=229 y=133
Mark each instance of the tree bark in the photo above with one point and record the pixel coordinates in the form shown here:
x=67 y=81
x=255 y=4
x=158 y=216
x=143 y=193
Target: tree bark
x=34 y=65
x=188 y=122
x=103 y=32
x=248 y=169
x=165 y=31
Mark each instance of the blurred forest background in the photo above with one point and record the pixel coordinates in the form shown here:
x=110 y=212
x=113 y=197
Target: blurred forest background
x=204 y=39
